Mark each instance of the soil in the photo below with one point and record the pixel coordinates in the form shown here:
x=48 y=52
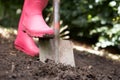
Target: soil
x=14 y=65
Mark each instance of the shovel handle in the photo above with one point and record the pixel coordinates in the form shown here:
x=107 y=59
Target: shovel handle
x=56 y=24
x=56 y=6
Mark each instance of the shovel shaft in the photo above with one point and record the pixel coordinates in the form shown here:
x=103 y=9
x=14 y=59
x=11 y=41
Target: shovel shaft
x=56 y=6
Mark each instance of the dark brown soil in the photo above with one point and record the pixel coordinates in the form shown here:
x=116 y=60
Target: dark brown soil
x=14 y=65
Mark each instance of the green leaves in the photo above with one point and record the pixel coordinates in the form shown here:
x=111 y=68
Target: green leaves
x=93 y=17
x=10 y=12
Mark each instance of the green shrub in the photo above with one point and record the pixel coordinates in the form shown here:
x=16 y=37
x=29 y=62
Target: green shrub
x=93 y=17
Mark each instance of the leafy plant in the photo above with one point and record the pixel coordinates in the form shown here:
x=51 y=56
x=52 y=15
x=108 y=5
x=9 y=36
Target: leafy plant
x=91 y=18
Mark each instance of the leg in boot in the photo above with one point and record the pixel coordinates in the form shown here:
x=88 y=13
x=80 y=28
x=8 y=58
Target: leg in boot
x=25 y=43
x=33 y=22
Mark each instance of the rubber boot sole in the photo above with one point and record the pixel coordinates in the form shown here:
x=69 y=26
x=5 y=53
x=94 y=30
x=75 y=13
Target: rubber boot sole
x=26 y=51
x=48 y=35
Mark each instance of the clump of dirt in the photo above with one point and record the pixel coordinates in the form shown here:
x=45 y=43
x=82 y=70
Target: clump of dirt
x=62 y=72
x=14 y=65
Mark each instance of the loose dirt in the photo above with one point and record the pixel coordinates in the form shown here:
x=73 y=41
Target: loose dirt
x=14 y=65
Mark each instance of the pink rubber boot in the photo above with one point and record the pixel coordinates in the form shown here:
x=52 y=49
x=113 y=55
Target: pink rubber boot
x=24 y=42
x=33 y=22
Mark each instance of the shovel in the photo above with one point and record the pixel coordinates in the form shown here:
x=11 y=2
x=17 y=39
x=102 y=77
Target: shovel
x=57 y=49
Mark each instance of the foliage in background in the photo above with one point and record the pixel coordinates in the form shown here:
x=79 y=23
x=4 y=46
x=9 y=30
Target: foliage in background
x=91 y=18
x=10 y=12
x=97 y=19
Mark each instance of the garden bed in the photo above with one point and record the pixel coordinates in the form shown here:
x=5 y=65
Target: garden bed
x=14 y=65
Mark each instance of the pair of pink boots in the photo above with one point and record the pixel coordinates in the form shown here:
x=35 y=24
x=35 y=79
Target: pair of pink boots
x=31 y=25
